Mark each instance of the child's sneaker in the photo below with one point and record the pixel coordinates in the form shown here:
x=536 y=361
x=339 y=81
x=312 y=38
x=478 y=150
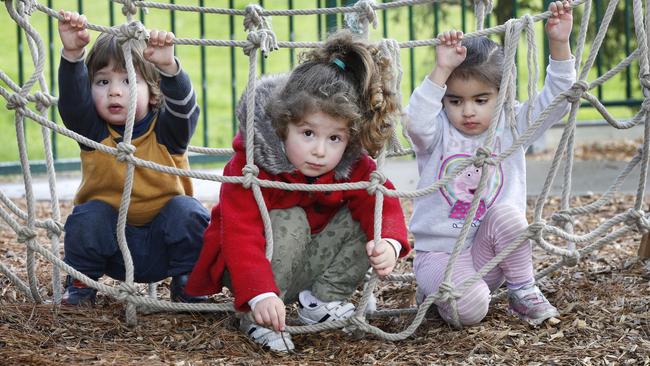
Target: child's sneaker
x=177 y=291
x=78 y=293
x=529 y=304
x=276 y=341
x=312 y=312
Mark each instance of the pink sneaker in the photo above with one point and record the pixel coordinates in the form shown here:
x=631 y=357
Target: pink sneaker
x=530 y=304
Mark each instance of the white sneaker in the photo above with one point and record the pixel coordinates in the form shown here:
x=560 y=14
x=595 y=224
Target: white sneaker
x=312 y=313
x=276 y=341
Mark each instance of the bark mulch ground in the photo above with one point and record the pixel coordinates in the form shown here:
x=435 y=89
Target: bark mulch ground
x=604 y=303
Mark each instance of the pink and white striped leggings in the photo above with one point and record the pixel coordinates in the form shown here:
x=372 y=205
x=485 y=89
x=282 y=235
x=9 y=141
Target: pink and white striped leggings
x=501 y=225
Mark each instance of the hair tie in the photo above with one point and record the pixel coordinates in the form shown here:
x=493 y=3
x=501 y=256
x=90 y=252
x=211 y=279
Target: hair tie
x=338 y=62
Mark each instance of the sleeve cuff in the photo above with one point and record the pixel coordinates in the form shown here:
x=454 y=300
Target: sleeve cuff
x=178 y=63
x=562 y=67
x=81 y=58
x=396 y=245
x=252 y=302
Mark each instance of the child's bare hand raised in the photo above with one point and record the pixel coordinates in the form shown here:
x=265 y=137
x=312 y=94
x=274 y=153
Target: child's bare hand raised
x=160 y=51
x=449 y=54
x=73 y=33
x=558 y=29
x=382 y=257
x=270 y=312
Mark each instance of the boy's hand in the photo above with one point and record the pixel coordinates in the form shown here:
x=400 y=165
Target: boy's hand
x=270 y=312
x=449 y=54
x=558 y=29
x=382 y=257
x=73 y=33
x=160 y=51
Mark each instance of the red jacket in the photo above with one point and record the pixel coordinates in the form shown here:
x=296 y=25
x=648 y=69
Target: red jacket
x=235 y=237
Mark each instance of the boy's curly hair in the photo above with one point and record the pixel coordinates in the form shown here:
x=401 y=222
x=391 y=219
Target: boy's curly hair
x=106 y=49
x=356 y=89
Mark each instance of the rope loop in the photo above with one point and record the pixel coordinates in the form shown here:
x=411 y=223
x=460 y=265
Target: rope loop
x=54 y=228
x=561 y=217
x=16 y=101
x=125 y=290
x=536 y=230
x=124 y=151
x=483 y=156
x=377 y=179
x=571 y=259
x=132 y=31
x=487 y=3
x=365 y=14
x=43 y=101
x=253 y=20
x=645 y=105
x=527 y=20
x=264 y=39
x=576 y=91
x=249 y=172
x=448 y=292
x=129 y=8
x=25 y=234
x=638 y=217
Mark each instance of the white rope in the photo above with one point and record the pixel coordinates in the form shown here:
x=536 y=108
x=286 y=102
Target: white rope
x=261 y=37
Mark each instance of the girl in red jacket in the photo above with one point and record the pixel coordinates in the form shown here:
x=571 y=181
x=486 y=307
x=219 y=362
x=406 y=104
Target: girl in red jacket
x=317 y=125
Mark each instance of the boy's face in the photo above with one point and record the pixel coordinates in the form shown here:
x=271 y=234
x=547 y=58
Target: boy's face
x=316 y=144
x=469 y=104
x=110 y=92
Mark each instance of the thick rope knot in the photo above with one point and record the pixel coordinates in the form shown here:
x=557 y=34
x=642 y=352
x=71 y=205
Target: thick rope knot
x=536 y=230
x=561 y=218
x=483 y=156
x=638 y=217
x=132 y=31
x=43 y=101
x=125 y=290
x=365 y=14
x=448 y=292
x=54 y=228
x=254 y=20
x=377 y=179
x=576 y=91
x=250 y=172
x=26 y=7
x=129 y=8
x=25 y=234
x=527 y=20
x=264 y=39
x=571 y=259
x=124 y=151
x=16 y=101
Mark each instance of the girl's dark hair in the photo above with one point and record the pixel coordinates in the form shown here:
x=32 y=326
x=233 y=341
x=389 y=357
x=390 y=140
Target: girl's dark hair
x=345 y=78
x=484 y=61
x=106 y=49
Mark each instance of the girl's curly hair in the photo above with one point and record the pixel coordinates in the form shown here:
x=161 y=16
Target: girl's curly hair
x=346 y=78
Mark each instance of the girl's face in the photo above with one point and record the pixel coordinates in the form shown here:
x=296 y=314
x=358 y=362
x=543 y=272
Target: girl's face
x=469 y=104
x=316 y=144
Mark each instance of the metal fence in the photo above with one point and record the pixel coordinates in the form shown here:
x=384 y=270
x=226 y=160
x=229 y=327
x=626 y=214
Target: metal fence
x=463 y=9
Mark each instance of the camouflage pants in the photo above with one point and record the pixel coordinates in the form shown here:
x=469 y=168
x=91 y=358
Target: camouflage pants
x=331 y=263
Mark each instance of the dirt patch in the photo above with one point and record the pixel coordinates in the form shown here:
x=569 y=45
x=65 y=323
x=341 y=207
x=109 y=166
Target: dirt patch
x=604 y=302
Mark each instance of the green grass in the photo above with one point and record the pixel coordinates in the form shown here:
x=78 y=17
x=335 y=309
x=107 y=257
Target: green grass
x=218 y=81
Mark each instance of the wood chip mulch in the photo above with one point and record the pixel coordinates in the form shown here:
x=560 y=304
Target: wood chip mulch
x=604 y=303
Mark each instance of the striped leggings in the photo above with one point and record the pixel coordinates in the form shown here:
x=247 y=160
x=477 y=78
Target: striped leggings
x=501 y=225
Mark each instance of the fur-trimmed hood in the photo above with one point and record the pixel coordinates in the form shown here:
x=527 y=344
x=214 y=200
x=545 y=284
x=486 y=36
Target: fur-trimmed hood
x=269 y=148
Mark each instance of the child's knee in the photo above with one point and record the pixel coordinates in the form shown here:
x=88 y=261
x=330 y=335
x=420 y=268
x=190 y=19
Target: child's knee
x=472 y=307
x=186 y=210
x=505 y=212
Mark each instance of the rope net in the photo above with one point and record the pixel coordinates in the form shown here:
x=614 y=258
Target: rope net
x=32 y=100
